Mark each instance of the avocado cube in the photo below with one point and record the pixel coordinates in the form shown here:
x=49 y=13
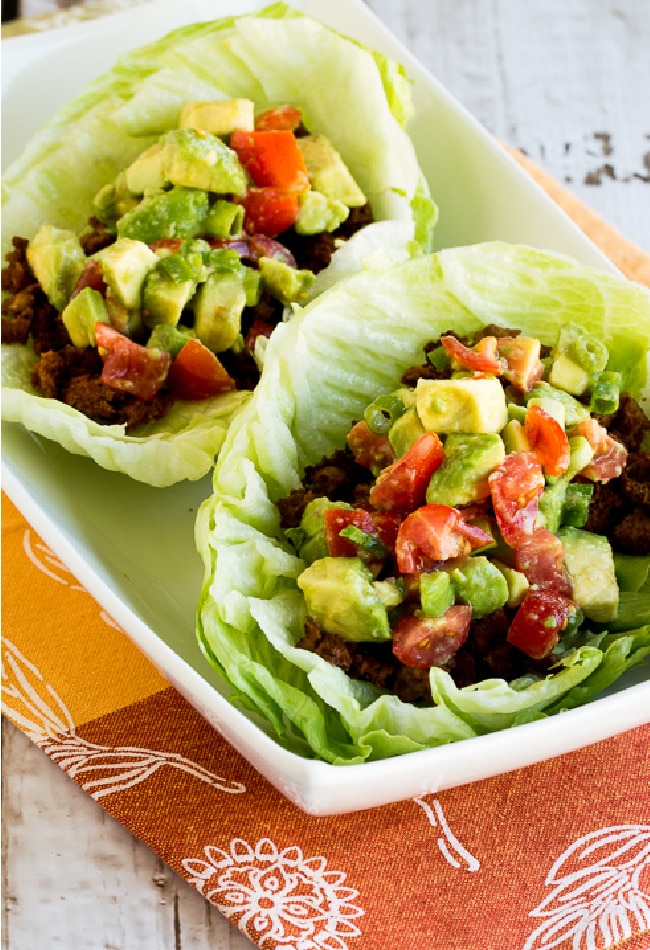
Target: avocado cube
x=574 y=411
x=178 y=213
x=328 y=173
x=125 y=264
x=551 y=505
x=581 y=452
x=568 y=375
x=436 y=593
x=553 y=407
x=57 y=259
x=589 y=560
x=516 y=581
x=220 y=116
x=463 y=476
x=145 y=174
x=405 y=431
x=218 y=306
x=319 y=213
x=163 y=300
x=479 y=583
x=81 y=315
x=461 y=405
x=514 y=437
x=195 y=159
x=169 y=338
x=287 y=284
x=341 y=598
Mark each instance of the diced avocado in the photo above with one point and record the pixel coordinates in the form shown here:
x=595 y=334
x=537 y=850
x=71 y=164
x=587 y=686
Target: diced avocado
x=574 y=411
x=575 y=507
x=461 y=405
x=224 y=220
x=516 y=581
x=463 y=476
x=57 y=259
x=514 y=437
x=218 y=305
x=341 y=598
x=146 y=174
x=589 y=560
x=436 y=593
x=220 y=116
x=171 y=214
x=568 y=375
x=319 y=213
x=195 y=159
x=125 y=265
x=516 y=412
x=169 y=338
x=287 y=284
x=581 y=452
x=480 y=584
x=125 y=320
x=582 y=348
x=114 y=200
x=167 y=290
x=391 y=592
x=309 y=539
x=551 y=503
x=405 y=431
x=81 y=315
x=252 y=286
x=553 y=407
x=328 y=173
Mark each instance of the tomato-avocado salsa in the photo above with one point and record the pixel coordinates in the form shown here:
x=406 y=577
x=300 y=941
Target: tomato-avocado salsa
x=480 y=517
x=191 y=256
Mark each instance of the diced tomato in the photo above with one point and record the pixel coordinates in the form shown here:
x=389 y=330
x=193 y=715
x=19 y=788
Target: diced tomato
x=403 y=485
x=91 y=276
x=337 y=519
x=269 y=211
x=282 y=117
x=482 y=358
x=523 y=367
x=369 y=449
x=129 y=367
x=423 y=642
x=610 y=456
x=540 y=556
x=515 y=487
x=197 y=373
x=173 y=245
x=539 y=621
x=387 y=523
x=432 y=534
x=547 y=439
x=272 y=159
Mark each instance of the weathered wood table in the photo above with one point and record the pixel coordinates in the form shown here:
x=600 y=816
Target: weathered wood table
x=566 y=81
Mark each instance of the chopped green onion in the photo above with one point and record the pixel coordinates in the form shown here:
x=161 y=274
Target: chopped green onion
x=575 y=507
x=364 y=540
x=383 y=412
x=439 y=357
x=605 y=391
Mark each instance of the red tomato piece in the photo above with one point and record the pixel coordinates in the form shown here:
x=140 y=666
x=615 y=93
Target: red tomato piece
x=610 y=456
x=272 y=159
x=523 y=367
x=282 y=117
x=369 y=449
x=515 y=487
x=539 y=621
x=432 y=534
x=129 y=367
x=482 y=358
x=403 y=485
x=337 y=519
x=547 y=440
x=387 y=523
x=197 y=373
x=269 y=211
x=423 y=642
x=540 y=556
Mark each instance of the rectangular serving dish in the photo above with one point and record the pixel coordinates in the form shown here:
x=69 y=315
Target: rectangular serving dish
x=132 y=546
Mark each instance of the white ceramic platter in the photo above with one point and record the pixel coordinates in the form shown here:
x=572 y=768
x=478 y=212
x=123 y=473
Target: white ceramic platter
x=132 y=546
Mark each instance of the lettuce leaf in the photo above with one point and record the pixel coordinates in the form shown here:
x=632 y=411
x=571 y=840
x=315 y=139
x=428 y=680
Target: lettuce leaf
x=275 y=56
x=320 y=371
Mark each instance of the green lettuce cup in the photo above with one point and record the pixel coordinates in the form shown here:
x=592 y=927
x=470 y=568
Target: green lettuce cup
x=321 y=370
x=272 y=57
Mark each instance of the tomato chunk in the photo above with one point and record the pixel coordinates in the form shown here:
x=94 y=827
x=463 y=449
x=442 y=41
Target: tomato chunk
x=515 y=487
x=540 y=556
x=403 y=485
x=282 y=117
x=547 y=440
x=423 y=642
x=197 y=373
x=128 y=366
x=369 y=449
x=269 y=211
x=432 y=534
x=610 y=456
x=337 y=519
x=272 y=158
x=481 y=358
x=539 y=621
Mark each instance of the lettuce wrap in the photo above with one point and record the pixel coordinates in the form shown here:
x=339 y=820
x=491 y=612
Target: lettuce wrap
x=273 y=57
x=321 y=370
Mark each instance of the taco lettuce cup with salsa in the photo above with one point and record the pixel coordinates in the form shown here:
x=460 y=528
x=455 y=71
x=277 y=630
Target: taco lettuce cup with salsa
x=198 y=186
x=262 y=614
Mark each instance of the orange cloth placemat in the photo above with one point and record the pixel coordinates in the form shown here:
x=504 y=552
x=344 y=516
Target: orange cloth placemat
x=554 y=855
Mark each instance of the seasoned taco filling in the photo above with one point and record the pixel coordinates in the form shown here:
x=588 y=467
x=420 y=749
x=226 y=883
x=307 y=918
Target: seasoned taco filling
x=191 y=256
x=480 y=516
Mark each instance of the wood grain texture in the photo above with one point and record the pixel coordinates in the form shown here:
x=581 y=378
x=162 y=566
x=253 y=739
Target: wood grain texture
x=564 y=80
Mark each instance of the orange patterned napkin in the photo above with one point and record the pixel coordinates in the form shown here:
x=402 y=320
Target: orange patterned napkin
x=554 y=855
